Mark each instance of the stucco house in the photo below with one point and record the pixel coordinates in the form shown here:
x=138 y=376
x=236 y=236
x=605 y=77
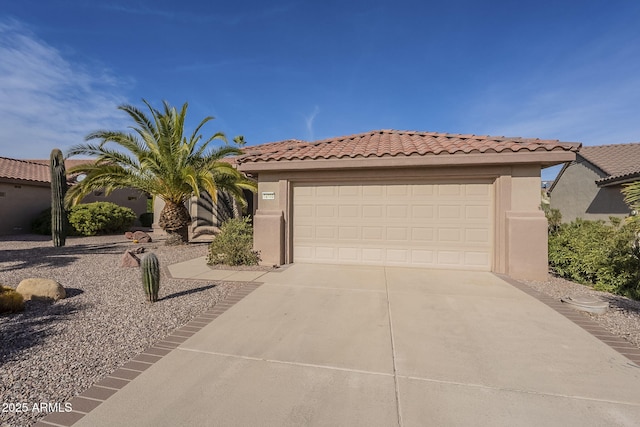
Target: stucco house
x=420 y=199
x=25 y=191
x=590 y=186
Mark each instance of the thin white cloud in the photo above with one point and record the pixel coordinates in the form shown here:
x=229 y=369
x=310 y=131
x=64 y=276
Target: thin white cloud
x=48 y=101
x=589 y=95
x=308 y=121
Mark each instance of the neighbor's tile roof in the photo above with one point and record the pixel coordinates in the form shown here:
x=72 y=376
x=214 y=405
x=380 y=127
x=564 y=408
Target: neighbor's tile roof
x=384 y=143
x=618 y=161
x=32 y=170
x=24 y=170
x=68 y=163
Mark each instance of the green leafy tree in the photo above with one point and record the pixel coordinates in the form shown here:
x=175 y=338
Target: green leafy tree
x=156 y=157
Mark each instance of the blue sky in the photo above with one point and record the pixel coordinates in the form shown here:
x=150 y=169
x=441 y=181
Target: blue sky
x=567 y=70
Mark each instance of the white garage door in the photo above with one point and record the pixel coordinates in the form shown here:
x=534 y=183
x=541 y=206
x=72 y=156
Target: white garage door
x=427 y=225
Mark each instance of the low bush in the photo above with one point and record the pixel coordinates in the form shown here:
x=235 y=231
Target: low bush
x=599 y=254
x=89 y=219
x=234 y=244
x=146 y=219
x=100 y=218
x=10 y=300
x=42 y=223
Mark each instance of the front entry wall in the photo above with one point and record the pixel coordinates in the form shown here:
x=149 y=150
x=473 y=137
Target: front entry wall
x=433 y=225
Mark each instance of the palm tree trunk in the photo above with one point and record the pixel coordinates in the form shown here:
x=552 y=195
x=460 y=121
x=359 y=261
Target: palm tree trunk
x=175 y=220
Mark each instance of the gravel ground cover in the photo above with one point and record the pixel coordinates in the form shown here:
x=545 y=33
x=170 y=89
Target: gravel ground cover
x=52 y=352
x=622 y=318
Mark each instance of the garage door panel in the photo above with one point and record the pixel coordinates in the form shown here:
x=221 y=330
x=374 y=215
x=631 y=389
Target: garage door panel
x=421 y=224
x=422 y=212
x=398 y=211
x=477 y=235
x=477 y=212
x=372 y=191
x=478 y=259
x=372 y=211
x=421 y=234
x=372 y=233
x=348 y=233
x=448 y=190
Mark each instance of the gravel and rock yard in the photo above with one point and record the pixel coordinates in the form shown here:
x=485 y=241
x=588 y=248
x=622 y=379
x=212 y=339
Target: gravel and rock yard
x=52 y=352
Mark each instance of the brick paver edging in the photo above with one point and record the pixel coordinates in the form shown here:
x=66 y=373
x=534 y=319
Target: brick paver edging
x=102 y=390
x=623 y=347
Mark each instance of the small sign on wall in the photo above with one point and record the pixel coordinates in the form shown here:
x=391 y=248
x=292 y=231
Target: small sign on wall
x=268 y=195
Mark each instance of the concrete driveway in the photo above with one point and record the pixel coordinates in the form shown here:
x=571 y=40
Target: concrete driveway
x=374 y=346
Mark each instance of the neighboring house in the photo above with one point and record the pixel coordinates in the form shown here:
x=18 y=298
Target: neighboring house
x=420 y=199
x=590 y=187
x=25 y=191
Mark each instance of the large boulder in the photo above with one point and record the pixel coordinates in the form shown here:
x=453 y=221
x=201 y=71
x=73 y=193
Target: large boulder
x=38 y=288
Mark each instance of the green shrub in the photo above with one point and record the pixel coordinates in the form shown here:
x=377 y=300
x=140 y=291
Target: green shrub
x=101 y=218
x=554 y=218
x=10 y=300
x=146 y=219
x=42 y=223
x=234 y=244
x=597 y=254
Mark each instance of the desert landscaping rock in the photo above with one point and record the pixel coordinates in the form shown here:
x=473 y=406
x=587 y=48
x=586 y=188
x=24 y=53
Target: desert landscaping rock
x=141 y=237
x=40 y=288
x=53 y=352
x=130 y=258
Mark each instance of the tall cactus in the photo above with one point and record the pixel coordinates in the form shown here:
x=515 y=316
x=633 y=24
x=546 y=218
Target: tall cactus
x=150 y=267
x=58 y=191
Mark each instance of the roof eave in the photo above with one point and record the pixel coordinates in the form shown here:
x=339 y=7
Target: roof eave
x=543 y=158
x=609 y=182
x=18 y=181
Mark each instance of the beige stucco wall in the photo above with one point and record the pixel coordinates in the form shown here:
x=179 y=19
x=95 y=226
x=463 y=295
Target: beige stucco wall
x=20 y=204
x=576 y=195
x=520 y=241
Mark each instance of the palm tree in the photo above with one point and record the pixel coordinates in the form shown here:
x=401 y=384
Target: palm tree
x=159 y=160
x=631 y=194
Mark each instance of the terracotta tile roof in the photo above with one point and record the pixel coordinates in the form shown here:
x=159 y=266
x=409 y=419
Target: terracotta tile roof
x=24 y=170
x=263 y=148
x=383 y=143
x=619 y=162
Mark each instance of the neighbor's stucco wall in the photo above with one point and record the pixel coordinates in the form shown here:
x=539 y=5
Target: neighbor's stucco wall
x=520 y=228
x=20 y=204
x=576 y=195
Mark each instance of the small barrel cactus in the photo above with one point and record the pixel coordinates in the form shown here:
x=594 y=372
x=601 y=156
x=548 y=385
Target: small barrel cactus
x=150 y=267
